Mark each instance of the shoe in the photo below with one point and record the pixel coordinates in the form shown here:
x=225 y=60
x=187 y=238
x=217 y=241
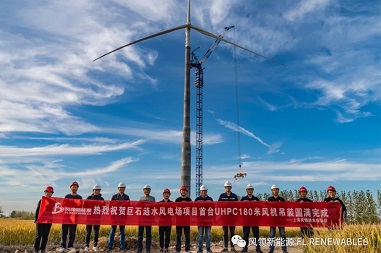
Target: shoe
x=209 y=251
x=95 y=249
x=224 y=250
x=61 y=249
x=233 y=249
x=109 y=250
x=199 y=251
x=86 y=249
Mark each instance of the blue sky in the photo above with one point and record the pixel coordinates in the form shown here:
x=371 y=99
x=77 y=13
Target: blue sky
x=315 y=122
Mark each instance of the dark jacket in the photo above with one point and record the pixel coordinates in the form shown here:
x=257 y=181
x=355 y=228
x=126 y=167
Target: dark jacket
x=207 y=198
x=225 y=197
x=247 y=198
x=303 y=200
x=120 y=197
x=180 y=199
x=95 y=197
x=272 y=198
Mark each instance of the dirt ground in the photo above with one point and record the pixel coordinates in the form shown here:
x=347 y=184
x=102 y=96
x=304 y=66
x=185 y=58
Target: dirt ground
x=131 y=247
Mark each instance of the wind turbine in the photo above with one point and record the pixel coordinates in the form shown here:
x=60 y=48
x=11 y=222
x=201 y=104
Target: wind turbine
x=186 y=147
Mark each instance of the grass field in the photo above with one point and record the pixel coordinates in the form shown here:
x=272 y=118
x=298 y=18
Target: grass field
x=21 y=232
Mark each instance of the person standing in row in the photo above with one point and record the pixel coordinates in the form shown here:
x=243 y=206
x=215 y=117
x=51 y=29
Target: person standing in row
x=165 y=231
x=204 y=229
x=228 y=196
x=120 y=196
x=42 y=229
x=255 y=229
x=306 y=231
x=95 y=196
x=332 y=198
x=70 y=228
x=149 y=198
x=179 y=229
x=275 y=197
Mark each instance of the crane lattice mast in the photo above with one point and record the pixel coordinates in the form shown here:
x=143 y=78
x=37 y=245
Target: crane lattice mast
x=199 y=83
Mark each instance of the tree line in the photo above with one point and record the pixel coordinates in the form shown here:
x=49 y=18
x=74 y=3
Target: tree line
x=363 y=207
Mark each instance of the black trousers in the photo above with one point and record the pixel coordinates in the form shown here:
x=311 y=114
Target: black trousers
x=42 y=233
x=164 y=236
x=246 y=233
x=148 y=238
x=71 y=229
x=179 y=231
x=306 y=231
x=226 y=236
x=96 y=234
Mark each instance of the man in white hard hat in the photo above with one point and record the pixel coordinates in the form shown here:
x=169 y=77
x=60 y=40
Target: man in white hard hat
x=120 y=196
x=275 y=197
x=255 y=229
x=204 y=229
x=95 y=196
x=149 y=198
x=228 y=196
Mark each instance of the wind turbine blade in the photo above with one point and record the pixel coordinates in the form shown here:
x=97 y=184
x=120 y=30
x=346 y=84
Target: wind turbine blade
x=143 y=39
x=231 y=43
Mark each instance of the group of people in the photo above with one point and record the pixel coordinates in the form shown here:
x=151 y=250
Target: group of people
x=43 y=229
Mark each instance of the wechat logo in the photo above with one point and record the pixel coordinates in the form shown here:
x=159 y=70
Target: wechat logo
x=237 y=240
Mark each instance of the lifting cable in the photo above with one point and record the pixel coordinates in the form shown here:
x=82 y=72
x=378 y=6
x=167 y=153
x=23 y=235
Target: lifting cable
x=237 y=106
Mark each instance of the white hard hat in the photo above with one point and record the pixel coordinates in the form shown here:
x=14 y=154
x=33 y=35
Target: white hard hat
x=146 y=187
x=227 y=183
x=249 y=186
x=97 y=187
x=274 y=187
x=121 y=185
x=203 y=188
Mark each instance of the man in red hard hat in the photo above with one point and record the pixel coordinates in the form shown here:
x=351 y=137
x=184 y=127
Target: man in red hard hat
x=165 y=231
x=332 y=198
x=179 y=229
x=42 y=229
x=306 y=231
x=70 y=229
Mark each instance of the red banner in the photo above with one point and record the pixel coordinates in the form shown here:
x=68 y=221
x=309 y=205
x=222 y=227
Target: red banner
x=199 y=213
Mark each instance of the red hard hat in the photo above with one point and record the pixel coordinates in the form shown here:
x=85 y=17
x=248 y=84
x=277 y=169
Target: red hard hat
x=167 y=191
x=49 y=189
x=74 y=183
x=183 y=188
x=302 y=189
x=331 y=188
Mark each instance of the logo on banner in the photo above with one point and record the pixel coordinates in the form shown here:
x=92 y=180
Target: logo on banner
x=237 y=240
x=58 y=208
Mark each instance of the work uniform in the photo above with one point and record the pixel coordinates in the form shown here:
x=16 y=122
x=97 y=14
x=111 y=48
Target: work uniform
x=69 y=228
x=119 y=197
x=282 y=230
x=231 y=229
x=164 y=234
x=255 y=229
x=202 y=229
x=96 y=227
x=179 y=231
x=306 y=231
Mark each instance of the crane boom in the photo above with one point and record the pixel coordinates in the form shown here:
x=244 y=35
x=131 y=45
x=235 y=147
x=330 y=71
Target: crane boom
x=199 y=83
